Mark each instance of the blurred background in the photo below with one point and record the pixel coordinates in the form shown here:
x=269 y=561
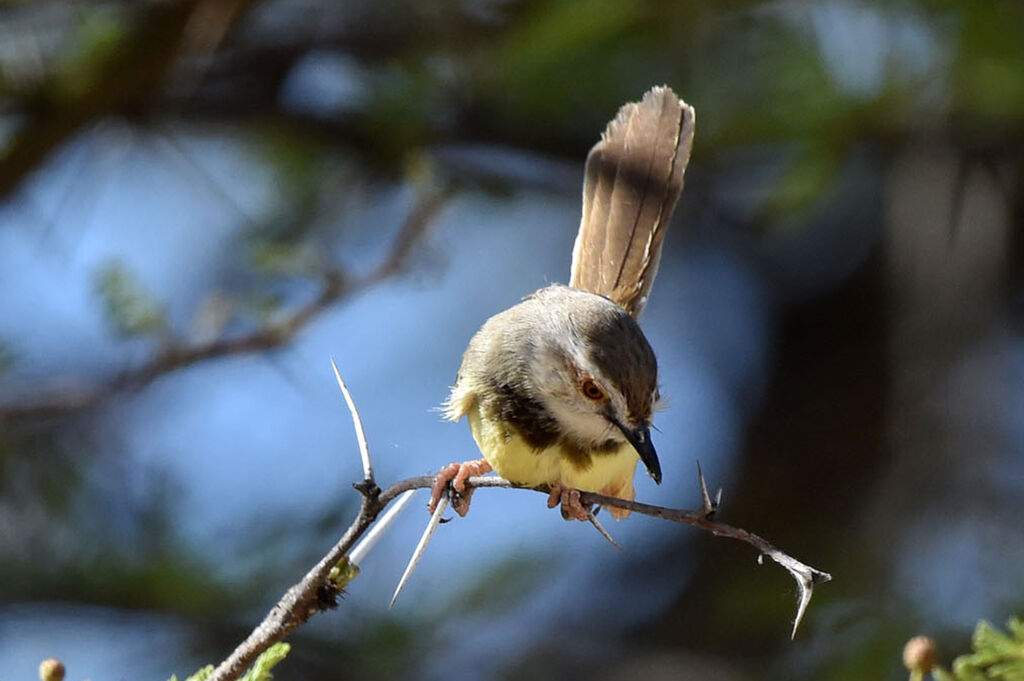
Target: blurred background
x=202 y=201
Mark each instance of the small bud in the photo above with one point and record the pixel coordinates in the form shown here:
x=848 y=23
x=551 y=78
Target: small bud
x=919 y=654
x=51 y=670
x=343 y=572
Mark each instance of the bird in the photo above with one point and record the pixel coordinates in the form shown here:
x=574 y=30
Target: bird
x=560 y=389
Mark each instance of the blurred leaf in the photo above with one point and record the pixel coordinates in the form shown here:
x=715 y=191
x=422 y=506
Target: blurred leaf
x=261 y=305
x=866 y=655
x=398 y=116
x=382 y=650
x=564 y=56
x=809 y=173
x=996 y=657
x=990 y=61
x=87 y=53
x=294 y=158
x=162 y=579
x=129 y=306
x=771 y=86
x=284 y=257
x=502 y=585
x=311 y=181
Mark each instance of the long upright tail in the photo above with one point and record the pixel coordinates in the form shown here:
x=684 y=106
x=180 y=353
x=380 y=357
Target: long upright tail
x=634 y=176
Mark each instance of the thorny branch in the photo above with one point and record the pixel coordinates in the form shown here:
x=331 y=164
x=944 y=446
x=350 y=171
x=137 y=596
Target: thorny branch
x=319 y=588
x=304 y=599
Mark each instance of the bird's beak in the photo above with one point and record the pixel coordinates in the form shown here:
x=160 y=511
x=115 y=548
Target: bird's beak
x=640 y=438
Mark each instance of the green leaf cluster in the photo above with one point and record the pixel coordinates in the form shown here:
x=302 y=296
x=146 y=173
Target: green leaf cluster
x=997 y=656
x=128 y=304
x=87 y=53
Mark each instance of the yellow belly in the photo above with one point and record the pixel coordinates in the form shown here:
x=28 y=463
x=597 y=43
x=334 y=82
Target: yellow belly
x=610 y=473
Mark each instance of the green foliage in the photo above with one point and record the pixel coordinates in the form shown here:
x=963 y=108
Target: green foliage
x=129 y=306
x=808 y=175
x=283 y=258
x=996 y=657
x=384 y=650
x=541 y=59
x=501 y=585
x=989 y=62
x=259 y=671
x=307 y=183
x=88 y=51
x=399 y=112
x=297 y=163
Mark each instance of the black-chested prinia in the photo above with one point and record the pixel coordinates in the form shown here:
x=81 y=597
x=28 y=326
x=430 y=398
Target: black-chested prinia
x=560 y=389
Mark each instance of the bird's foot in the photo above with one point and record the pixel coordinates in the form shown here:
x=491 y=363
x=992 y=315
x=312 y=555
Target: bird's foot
x=457 y=474
x=570 y=500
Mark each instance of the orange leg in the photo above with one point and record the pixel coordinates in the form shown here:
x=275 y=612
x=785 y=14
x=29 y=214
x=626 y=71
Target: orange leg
x=457 y=474
x=622 y=490
x=570 y=501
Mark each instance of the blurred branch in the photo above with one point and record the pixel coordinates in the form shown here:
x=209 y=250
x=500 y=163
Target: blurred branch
x=334 y=286
x=179 y=57
x=128 y=81
x=316 y=591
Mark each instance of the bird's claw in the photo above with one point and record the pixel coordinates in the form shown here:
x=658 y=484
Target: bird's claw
x=456 y=475
x=572 y=508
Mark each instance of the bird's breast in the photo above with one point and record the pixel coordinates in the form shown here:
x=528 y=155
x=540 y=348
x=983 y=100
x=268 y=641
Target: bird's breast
x=609 y=470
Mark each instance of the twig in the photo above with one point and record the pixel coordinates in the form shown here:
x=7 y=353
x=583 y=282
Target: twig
x=300 y=602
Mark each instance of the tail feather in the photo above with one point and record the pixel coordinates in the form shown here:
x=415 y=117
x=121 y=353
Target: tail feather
x=633 y=178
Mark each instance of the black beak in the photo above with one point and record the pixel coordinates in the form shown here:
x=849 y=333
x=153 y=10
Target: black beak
x=640 y=438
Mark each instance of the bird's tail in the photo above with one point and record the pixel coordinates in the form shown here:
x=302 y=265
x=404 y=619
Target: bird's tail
x=634 y=176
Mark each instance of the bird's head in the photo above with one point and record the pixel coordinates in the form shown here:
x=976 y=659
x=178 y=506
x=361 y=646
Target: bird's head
x=596 y=374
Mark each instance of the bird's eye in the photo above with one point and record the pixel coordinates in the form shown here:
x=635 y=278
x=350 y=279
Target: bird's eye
x=591 y=390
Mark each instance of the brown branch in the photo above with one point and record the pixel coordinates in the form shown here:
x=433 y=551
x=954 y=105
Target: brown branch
x=305 y=598
x=335 y=286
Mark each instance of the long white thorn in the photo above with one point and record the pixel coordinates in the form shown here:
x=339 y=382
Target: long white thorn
x=364 y=448
x=435 y=520
x=357 y=554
